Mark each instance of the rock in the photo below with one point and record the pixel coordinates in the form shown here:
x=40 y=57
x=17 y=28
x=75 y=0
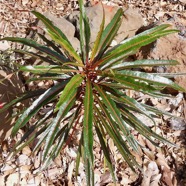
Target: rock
x=23 y=160
x=7 y=169
x=4 y=45
x=130 y=24
x=67 y=28
x=132 y=21
x=173 y=46
x=13 y=179
x=177 y=124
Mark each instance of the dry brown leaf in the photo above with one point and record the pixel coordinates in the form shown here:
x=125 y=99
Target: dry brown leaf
x=24 y=170
x=155 y=180
x=150 y=145
x=161 y=161
x=34 y=181
x=152 y=170
x=58 y=161
x=24 y=2
x=167 y=176
x=54 y=172
x=7 y=169
x=105 y=178
x=70 y=172
x=2 y=180
x=26 y=151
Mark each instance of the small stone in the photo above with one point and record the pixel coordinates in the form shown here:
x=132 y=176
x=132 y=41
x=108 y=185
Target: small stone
x=23 y=160
x=177 y=124
x=7 y=169
x=27 y=151
x=4 y=45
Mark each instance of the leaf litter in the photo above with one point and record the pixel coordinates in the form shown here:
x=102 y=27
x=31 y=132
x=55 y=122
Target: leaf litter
x=161 y=166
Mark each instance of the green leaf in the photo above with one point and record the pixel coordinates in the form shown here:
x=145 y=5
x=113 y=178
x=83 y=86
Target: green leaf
x=120 y=97
x=42 y=137
x=51 y=26
x=130 y=83
x=41 y=69
x=155 y=79
x=66 y=47
x=131 y=45
x=58 y=36
x=36 y=105
x=79 y=154
x=115 y=135
x=170 y=75
x=158 y=111
x=55 y=147
x=64 y=107
x=37 y=56
x=50 y=44
x=88 y=133
x=143 y=80
x=105 y=148
x=69 y=90
x=143 y=63
x=98 y=38
x=114 y=111
x=109 y=33
x=31 y=134
x=22 y=97
x=84 y=32
x=54 y=55
x=49 y=76
x=141 y=127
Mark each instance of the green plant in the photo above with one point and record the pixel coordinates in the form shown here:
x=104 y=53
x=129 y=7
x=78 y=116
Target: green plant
x=91 y=92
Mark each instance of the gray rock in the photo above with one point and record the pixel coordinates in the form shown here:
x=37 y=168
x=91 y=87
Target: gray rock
x=132 y=21
x=65 y=26
x=177 y=124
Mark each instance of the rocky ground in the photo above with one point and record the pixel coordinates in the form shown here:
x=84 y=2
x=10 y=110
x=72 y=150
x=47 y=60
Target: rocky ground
x=163 y=166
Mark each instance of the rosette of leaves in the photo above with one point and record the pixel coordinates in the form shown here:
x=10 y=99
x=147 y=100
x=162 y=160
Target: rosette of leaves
x=90 y=92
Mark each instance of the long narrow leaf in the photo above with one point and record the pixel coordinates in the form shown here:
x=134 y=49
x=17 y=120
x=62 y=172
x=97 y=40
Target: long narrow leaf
x=37 y=104
x=88 y=132
x=133 y=44
x=84 y=33
x=98 y=38
x=122 y=147
x=143 y=63
x=109 y=33
x=106 y=152
x=69 y=90
x=126 y=77
x=27 y=95
x=68 y=48
x=63 y=110
x=114 y=111
x=54 y=55
x=37 y=56
x=41 y=69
